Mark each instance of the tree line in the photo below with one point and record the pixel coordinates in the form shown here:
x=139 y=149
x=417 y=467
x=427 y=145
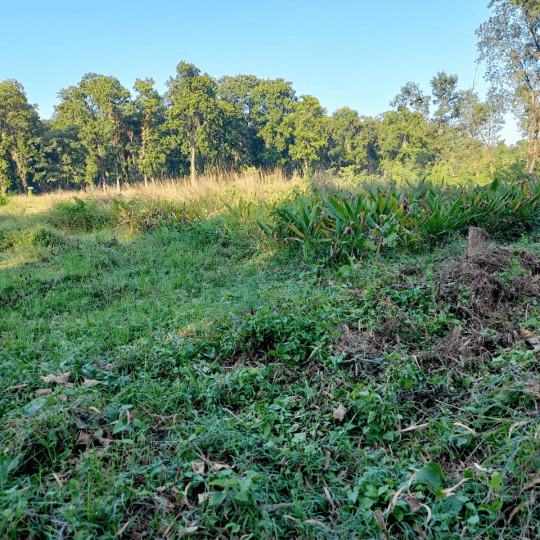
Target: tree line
x=102 y=134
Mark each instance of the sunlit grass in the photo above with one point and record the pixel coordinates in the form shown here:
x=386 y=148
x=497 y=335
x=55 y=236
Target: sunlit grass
x=207 y=366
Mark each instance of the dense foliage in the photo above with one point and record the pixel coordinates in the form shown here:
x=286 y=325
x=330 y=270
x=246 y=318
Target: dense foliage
x=101 y=134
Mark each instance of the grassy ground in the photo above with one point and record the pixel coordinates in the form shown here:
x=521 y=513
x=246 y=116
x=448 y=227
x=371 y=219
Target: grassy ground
x=166 y=369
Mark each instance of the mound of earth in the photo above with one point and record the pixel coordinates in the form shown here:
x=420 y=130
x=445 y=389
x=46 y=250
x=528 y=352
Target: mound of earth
x=490 y=291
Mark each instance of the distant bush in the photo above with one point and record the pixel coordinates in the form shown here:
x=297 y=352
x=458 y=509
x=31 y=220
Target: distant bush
x=3 y=199
x=80 y=215
x=148 y=215
x=35 y=236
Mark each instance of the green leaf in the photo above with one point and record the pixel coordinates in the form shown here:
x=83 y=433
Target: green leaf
x=218 y=497
x=366 y=503
x=431 y=474
x=225 y=482
x=495 y=484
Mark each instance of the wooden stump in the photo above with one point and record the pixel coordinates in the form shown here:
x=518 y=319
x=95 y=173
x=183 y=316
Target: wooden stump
x=477 y=242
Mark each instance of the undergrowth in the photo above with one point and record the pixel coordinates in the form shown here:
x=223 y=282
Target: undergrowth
x=169 y=369
x=339 y=225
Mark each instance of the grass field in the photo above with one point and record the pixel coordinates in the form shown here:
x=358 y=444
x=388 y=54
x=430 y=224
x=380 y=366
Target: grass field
x=178 y=362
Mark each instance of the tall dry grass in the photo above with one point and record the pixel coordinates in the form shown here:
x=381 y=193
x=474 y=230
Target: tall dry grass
x=255 y=186
x=252 y=185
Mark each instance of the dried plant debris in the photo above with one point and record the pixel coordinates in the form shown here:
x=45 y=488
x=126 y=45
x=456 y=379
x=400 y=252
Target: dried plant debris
x=361 y=349
x=488 y=294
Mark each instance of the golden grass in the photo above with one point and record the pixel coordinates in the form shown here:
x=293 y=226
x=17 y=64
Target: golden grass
x=248 y=184
x=252 y=186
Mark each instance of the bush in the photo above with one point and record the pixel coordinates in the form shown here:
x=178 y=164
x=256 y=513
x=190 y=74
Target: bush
x=80 y=215
x=36 y=236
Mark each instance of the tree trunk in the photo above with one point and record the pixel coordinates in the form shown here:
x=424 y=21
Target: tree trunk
x=19 y=168
x=490 y=159
x=117 y=179
x=474 y=155
x=193 y=172
x=145 y=131
x=534 y=153
x=533 y=137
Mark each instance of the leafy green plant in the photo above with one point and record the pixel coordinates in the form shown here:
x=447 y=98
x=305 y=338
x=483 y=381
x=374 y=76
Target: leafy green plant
x=80 y=215
x=241 y=212
x=346 y=225
x=286 y=336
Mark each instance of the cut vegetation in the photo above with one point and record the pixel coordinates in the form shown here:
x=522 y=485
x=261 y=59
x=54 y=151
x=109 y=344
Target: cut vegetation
x=271 y=359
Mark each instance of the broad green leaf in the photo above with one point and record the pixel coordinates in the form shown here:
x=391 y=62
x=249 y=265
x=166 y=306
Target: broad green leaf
x=431 y=474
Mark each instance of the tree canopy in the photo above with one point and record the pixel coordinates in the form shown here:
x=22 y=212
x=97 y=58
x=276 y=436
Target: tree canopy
x=101 y=134
x=509 y=43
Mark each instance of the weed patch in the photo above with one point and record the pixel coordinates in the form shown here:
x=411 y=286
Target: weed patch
x=78 y=215
x=16 y=238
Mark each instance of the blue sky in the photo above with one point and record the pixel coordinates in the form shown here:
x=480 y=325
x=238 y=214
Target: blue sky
x=345 y=53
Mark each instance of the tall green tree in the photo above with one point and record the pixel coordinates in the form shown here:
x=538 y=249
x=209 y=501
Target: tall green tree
x=308 y=122
x=344 y=127
x=448 y=101
x=446 y=98
x=150 y=112
x=412 y=98
x=243 y=123
x=273 y=101
x=482 y=122
x=406 y=142
x=262 y=107
x=509 y=43
x=62 y=154
x=97 y=106
x=369 y=152
x=19 y=128
x=193 y=108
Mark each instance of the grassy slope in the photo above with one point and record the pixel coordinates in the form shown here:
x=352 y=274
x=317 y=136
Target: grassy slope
x=219 y=386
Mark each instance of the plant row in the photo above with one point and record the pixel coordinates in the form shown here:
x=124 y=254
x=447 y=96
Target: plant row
x=347 y=225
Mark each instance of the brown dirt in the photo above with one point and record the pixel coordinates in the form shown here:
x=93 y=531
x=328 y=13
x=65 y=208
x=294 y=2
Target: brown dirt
x=489 y=292
x=488 y=304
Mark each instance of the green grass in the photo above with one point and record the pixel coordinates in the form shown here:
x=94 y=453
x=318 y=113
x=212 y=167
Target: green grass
x=222 y=385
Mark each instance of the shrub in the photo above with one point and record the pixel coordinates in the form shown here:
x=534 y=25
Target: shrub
x=35 y=236
x=80 y=215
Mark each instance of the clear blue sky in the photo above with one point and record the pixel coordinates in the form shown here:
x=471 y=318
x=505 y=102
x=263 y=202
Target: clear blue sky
x=355 y=53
